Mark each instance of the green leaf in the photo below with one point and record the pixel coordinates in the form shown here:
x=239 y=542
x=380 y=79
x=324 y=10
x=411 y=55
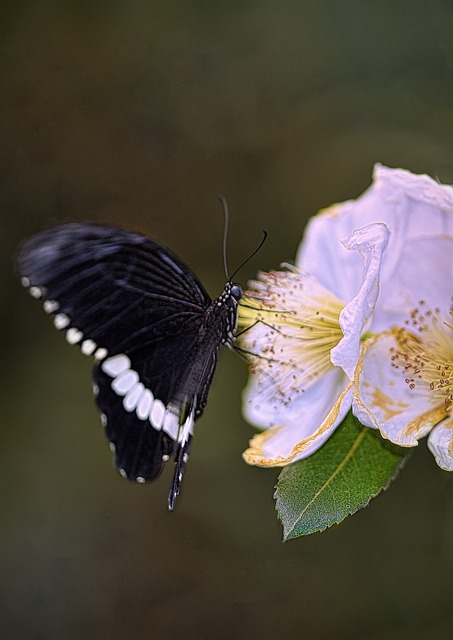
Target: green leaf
x=352 y=467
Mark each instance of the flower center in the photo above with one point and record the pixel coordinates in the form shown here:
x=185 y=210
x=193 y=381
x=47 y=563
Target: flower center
x=290 y=324
x=426 y=357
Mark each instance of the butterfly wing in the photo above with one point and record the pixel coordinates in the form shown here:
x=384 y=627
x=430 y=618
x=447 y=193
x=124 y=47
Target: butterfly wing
x=137 y=308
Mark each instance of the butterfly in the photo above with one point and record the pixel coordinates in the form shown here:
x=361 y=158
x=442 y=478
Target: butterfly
x=151 y=326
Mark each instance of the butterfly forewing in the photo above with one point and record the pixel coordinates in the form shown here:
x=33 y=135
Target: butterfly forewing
x=110 y=284
x=151 y=326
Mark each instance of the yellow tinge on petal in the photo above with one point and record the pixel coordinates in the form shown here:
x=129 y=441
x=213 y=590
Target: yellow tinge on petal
x=404 y=380
x=255 y=454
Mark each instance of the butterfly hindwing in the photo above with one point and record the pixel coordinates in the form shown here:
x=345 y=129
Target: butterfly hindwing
x=140 y=450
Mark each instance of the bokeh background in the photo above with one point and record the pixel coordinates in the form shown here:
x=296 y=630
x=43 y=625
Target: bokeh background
x=140 y=113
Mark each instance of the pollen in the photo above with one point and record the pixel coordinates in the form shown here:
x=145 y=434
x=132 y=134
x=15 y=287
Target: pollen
x=425 y=355
x=289 y=324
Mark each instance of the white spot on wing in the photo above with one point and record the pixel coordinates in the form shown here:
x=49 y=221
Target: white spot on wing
x=115 y=365
x=88 y=347
x=187 y=428
x=35 y=292
x=122 y=473
x=50 y=306
x=157 y=414
x=25 y=281
x=73 y=335
x=103 y=419
x=140 y=479
x=144 y=407
x=132 y=398
x=124 y=382
x=171 y=424
x=61 y=321
x=100 y=353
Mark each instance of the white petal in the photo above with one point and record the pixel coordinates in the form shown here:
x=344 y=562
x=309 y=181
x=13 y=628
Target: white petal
x=440 y=443
x=384 y=400
x=403 y=201
x=300 y=428
x=424 y=272
x=370 y=242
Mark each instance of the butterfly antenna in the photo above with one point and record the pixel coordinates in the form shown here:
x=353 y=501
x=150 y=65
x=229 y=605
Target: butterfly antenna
x=263 y=240
x=226 y=215
x=226 y=212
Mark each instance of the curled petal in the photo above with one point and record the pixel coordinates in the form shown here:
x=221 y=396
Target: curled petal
x=370 y=242
x=411 y=206
x=440 y=443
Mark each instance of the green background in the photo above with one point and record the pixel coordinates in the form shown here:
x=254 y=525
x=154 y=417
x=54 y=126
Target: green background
x=140 y=113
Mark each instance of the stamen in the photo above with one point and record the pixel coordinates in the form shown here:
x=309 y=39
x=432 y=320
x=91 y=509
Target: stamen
x=426 y=359
x=294 y=325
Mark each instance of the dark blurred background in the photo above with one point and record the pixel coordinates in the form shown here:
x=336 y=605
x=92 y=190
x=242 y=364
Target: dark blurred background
x=140 y=113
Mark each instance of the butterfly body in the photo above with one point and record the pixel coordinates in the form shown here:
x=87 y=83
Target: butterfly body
x=152 y=328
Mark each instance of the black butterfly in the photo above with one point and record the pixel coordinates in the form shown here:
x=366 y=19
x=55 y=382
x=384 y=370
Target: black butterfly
x=151 y=326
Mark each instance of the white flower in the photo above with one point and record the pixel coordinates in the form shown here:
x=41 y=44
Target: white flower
x=305 y=325
x=404 y=378
x=411 y=206
x=299 y=330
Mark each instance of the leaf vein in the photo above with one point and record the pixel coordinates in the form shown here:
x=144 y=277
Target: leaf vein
x=326 y=484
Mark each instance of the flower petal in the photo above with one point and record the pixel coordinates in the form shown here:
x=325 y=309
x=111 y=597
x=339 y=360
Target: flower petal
x=424 y=273
x=383 y=398
x=302 y=427
x=440 y=443
x=370 y=242
x=410 y=205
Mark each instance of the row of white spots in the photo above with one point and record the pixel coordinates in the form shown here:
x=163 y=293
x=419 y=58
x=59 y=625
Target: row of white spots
x=74 y=335
x=61 y=321
x=35 y=292
x=136 y=397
